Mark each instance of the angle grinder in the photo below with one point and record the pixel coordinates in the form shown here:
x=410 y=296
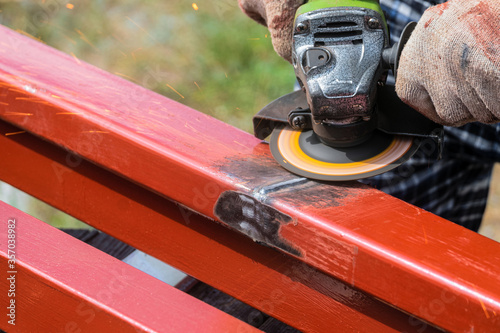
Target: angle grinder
x=344 y=123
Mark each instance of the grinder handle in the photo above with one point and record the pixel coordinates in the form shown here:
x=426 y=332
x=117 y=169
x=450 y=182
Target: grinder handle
x=391 y=56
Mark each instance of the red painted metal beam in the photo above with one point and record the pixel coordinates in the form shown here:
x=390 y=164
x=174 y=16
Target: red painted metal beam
x=405 y=256
x=277 y=284
x=57 y=283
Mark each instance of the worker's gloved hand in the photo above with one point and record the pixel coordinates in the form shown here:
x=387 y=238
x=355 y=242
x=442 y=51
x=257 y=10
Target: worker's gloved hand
x=278 y=16
x=450 y=68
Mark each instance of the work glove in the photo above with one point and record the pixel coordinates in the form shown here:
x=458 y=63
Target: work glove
x=278 y=16
x=450 y=68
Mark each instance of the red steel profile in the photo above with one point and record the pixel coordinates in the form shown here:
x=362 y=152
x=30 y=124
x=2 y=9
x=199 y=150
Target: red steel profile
x=56 y=283
x=269 y=280
x=406 y=257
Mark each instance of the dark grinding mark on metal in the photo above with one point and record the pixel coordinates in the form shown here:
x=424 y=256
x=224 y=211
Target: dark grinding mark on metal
x=261 y=177
x=251 y=217
x=255 y=172
x=320 y=195
x=267 y=181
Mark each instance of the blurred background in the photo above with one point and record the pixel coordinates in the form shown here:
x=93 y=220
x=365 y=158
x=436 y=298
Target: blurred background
x=205 y=54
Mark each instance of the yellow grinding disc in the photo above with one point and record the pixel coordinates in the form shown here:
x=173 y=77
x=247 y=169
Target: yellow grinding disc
x=302 y=153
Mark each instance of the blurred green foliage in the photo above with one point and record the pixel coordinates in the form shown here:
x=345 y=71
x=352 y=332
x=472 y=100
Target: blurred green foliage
x=220 y=61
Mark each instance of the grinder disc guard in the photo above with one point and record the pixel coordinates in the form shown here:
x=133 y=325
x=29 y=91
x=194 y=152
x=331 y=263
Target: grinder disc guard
x=302 y=153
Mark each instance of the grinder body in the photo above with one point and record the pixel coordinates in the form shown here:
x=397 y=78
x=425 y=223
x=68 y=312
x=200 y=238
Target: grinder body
x=337 y=58
x=344 y=123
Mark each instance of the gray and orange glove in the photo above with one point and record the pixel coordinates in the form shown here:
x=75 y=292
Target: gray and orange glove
x=278 y=16
x=450 y=68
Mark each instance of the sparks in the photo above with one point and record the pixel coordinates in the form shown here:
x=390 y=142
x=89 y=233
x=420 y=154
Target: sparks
x=117 y=38
x=484 y=309
x=144 y=132
x=195 y=6
x=85 y=39
x=482 y=304
x=138 y=26
x=157 y=122
x=127 y=77
x=18 y=114
x=133 y=53
x=70 y=6
x=190 y=127
x=17 y=90
x=178 y=93
x=71 y=40
x=240 y=144
x=30 y=36
x=14 y=133
x=27 y=99
x=425 y=235
x=76 y=59
x=159 y=115
x=196 y=84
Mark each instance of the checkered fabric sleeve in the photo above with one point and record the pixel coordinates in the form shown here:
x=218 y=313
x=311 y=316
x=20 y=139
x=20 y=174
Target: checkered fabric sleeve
x=456 y=186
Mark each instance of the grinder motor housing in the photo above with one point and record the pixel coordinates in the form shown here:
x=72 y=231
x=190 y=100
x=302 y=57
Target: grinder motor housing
x=337 y=58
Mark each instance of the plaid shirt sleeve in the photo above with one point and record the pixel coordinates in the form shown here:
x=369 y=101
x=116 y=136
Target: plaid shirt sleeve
x=456 y=186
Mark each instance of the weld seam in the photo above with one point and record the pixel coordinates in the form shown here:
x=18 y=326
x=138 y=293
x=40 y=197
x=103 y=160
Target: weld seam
x=263 y=192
